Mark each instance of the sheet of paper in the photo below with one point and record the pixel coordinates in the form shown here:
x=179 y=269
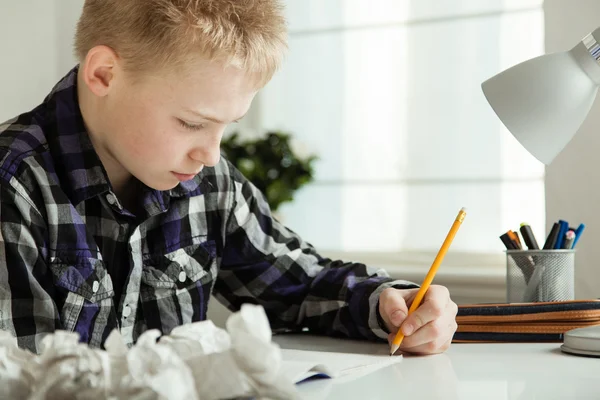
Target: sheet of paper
x=299 y=371
x=340 y=366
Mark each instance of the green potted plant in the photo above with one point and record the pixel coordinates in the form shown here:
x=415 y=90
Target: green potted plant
x=275 y=163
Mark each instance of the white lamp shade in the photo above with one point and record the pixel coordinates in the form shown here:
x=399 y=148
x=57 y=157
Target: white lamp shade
x=544 y=101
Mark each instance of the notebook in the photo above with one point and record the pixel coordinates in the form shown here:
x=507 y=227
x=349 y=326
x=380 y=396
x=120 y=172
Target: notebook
x=301 y=365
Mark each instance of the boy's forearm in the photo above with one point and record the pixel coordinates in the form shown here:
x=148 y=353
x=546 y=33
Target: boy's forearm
x=357 y=300
x=266 y=263
x=331 y=297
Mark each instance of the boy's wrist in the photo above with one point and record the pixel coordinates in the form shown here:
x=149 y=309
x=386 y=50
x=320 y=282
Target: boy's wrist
x=376 y=322
x=380 y=320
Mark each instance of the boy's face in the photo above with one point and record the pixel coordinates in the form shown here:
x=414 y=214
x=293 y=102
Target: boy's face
x=164 y=129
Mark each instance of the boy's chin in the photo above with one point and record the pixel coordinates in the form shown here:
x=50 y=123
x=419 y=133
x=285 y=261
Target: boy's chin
x=165 y=187
x=161 y=185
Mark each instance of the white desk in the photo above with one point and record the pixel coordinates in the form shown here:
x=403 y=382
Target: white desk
x=465 y=371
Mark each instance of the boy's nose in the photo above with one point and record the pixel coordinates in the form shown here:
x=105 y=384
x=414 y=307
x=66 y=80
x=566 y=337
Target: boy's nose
x=207 y=156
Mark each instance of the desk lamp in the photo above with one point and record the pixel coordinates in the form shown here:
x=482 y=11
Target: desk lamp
x=543 y=102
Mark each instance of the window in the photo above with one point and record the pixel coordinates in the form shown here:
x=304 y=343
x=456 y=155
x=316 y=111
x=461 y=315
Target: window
x=388 y=94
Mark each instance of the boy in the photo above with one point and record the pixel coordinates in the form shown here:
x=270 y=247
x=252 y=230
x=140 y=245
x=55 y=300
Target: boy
x=117 y=210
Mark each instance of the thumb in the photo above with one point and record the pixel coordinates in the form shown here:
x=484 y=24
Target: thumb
x=393 y=308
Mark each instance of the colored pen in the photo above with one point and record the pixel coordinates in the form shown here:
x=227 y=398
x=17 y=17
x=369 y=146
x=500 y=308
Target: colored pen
x=508 y=242
x=430 y=275
x=528 y=237
x=518 y=239
x=525 y=265
x=569 y=240
x=551 y=240
x=513 y=236
x=564 y=227
x=578 y=233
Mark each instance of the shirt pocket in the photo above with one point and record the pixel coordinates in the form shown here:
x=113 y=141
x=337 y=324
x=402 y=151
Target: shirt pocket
x=182 y=267
x=87 y=295
x=176 y=286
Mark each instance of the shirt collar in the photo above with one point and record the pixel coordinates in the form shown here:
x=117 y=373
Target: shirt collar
x=77 y=162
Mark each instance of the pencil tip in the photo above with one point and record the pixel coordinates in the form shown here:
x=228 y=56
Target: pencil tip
x=394 y=349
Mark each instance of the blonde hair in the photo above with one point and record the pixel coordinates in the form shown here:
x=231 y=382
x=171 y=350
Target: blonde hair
x=151 y=34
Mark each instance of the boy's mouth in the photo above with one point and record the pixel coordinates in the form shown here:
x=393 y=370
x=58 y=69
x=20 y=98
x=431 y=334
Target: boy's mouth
x=183 y=177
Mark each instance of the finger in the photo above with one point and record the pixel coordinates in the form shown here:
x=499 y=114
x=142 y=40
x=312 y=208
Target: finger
x=393 y=308
x=434 y=304
x=391 y=338
x=436 y=332
x=435 y=346
x=429 y=348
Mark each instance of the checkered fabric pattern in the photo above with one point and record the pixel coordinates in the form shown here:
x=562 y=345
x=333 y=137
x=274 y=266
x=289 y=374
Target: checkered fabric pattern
x=72 y=257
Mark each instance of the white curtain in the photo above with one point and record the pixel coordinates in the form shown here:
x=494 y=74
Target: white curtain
x=387 y=93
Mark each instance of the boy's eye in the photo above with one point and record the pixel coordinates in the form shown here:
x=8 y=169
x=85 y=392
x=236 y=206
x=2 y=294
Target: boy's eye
x=190 y=127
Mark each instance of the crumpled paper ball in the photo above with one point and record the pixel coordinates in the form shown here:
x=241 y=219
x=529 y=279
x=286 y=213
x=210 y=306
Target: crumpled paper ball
x=16 y=372
x=149 y=371
x=196 y=361
x=67 y=369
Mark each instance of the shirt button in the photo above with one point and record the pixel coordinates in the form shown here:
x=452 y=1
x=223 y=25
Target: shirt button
x=95 y=286
x=126 y=311
x=182 y=276
x=112 y=200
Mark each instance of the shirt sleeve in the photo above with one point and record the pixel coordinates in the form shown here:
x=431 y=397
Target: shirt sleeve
x=27 y=310
x=268 y=264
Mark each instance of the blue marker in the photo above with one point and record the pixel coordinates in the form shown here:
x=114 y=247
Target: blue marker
x=564 y=227
x=578 y=234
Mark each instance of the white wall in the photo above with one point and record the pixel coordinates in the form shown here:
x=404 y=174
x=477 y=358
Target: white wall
x=29 y=52
x=68 y=12
x=573 y=179
x=35 y=44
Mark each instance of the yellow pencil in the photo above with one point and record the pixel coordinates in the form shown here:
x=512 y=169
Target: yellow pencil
x=431 y=274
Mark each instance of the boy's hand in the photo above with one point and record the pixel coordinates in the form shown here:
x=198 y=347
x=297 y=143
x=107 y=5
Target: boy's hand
x=430 y=328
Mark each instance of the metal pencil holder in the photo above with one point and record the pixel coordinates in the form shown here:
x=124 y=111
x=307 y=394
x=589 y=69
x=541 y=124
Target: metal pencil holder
x=540 y=275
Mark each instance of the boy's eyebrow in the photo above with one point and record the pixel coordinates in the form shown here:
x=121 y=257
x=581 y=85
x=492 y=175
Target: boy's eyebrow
x=211 y=119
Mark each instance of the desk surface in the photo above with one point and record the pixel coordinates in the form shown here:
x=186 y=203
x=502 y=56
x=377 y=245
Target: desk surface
x=465 y=371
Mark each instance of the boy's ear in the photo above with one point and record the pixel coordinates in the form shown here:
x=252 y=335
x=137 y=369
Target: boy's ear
x=99 y=68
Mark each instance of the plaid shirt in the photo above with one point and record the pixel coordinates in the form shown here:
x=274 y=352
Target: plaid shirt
x=72 y=258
